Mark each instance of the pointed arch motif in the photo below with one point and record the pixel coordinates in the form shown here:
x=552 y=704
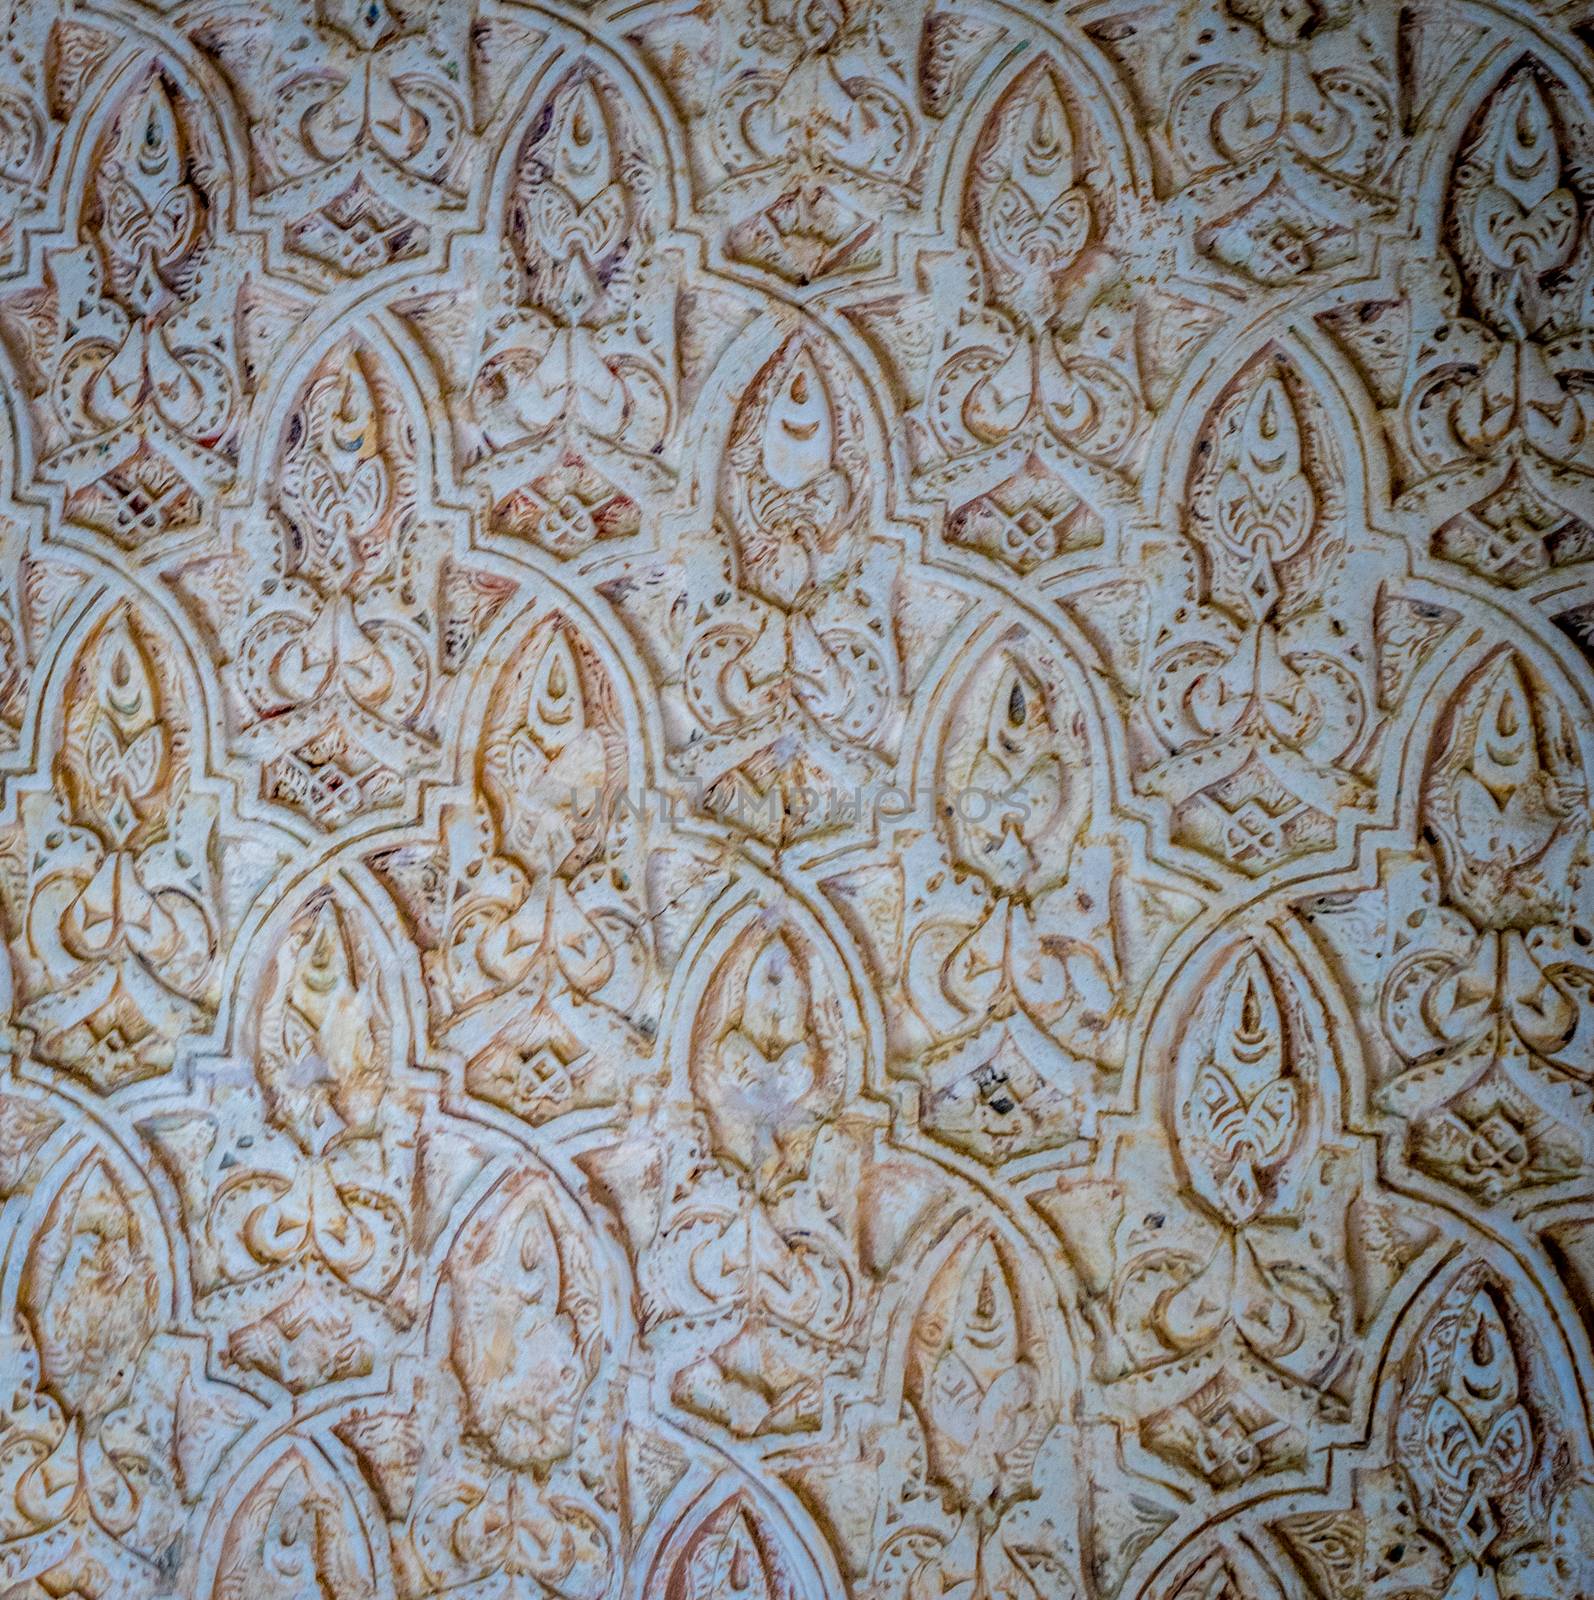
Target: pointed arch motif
x=299 y=1188
x=1492 y=436
x=294 y=1527
x=730 y=1550
x=1478 y=1478
x=1482 y=1007
x=794 y=800
x=788 y=681
x=136 y=399
x=1227 y=1330
x=114 y=920
x=99 y=1467
x=542 y=967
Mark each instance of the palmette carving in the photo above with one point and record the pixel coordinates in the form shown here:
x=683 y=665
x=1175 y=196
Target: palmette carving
x=950 y=1484
x=564 y=369
x=1010 y=1005
x=1480 y=1494
x=542 y=967
x=794 y=801
x=339 y=634
x=358 y=128
x=1051 y=340
x=1485 y=401
x=726 y=1548
x=344 y=511
x=1038 y=232
x=1484 y=1008
x=1519 y=234
x=1276 y=125
x=88 y=1317
x=524 y=1497
x=1271 y=688
x=305 y=1246
x=115 y=918
x=128 y=368
x=112 y=1425
x=293 y=1529
x=777 y=640
x=804 y=128
x=1254 y=727
x=748 y=1289
x=1223 y=1316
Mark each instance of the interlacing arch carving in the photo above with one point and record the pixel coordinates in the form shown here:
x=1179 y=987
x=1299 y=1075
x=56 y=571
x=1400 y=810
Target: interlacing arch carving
x=1479 y=363
x=795 y=800
x=128 y=364
x=116 y=909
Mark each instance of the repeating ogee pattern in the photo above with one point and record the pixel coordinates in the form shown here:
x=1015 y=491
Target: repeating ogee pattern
x=794 y=800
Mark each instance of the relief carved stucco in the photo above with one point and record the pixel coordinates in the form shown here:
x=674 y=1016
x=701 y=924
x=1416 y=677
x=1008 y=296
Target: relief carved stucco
x=795 y=800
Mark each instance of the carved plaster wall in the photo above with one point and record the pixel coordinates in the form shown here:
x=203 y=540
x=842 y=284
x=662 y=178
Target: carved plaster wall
x=794 y=800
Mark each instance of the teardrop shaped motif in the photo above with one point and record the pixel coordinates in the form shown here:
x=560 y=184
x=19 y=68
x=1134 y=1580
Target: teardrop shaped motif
x=1242 y=1114
x=1032 y=219
x=576 y=219
x=1466 y=1429
x=762 y=1062
x=1526 y=219
x=294 y=1535
x=1504 y=798
x=523 y=1340
x=794 y=476
x=341 y=482
x=324 y=1031
x=583 y=154
x=1265 y=499
x=799 y=435
x=90 y=1293
x=557 y=713
x=1265 y=504
x=1516 y=216
x=969 y=1375
x=732 y=1554
x=147 y=218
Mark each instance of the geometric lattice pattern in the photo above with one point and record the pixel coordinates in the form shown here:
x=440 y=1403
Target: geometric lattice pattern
x=795 y=800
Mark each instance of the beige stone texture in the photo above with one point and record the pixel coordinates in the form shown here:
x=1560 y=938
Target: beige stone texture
x=794 y=800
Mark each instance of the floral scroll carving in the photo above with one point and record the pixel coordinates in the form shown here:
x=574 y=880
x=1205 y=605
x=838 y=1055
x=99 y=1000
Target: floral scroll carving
x=795 y=800
x=1491 y=418
x=1484 y=1008
x=113 y=896
x=133 y=387
x=534 y=920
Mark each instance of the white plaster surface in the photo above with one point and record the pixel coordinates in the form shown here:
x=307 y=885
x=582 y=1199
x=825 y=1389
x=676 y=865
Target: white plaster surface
x=794 y=800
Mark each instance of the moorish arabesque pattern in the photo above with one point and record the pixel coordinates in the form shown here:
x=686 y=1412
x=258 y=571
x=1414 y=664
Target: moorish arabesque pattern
x=795 y=800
